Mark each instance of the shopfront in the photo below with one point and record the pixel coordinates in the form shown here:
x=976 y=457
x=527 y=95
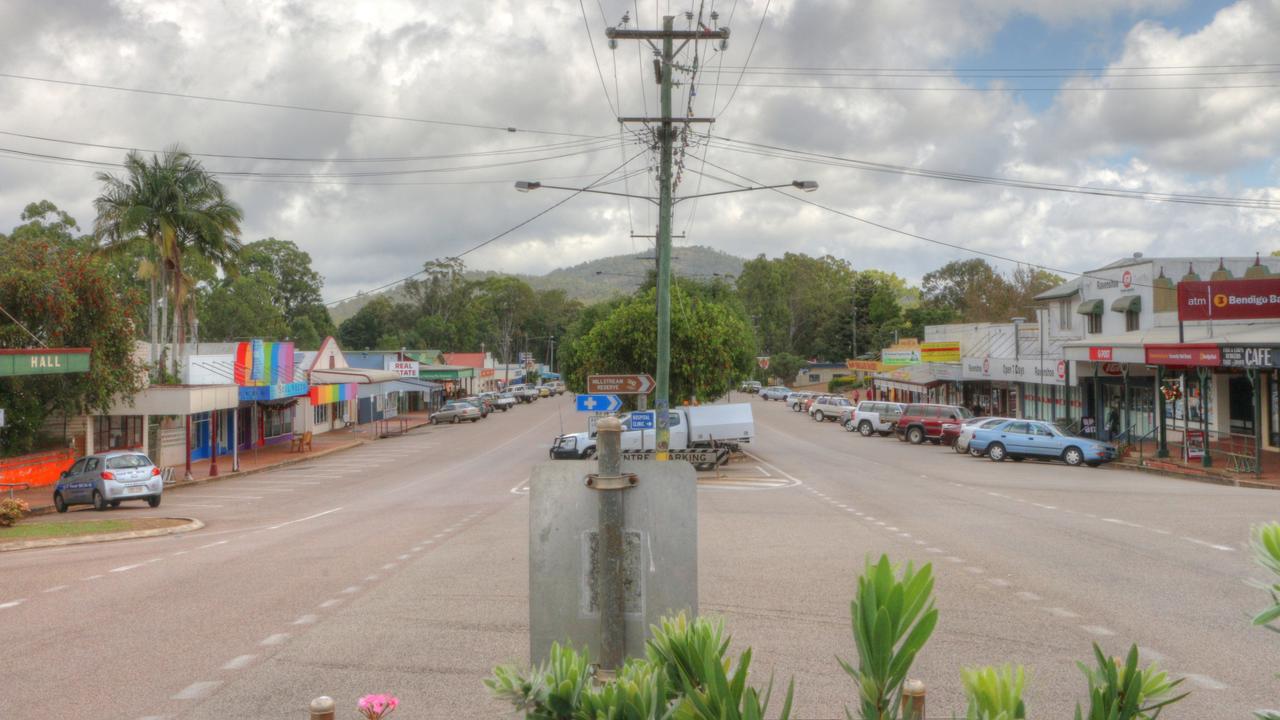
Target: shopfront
x=330 y=406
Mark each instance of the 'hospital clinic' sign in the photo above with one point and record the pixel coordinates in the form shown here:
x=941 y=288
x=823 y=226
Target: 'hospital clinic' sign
x=1229 y=299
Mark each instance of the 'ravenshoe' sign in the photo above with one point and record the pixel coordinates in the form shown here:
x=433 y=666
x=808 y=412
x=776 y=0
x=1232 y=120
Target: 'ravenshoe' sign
x=1229 y=299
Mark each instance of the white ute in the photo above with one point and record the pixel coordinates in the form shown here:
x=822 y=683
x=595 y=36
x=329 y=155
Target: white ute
x=702 y=426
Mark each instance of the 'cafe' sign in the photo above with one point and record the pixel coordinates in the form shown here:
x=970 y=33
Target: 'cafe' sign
x=1250 y=357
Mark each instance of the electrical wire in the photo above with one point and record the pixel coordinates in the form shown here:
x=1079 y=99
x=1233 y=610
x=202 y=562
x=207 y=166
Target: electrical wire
x=600 y=72
x=284 y=106
x=966 y=70
x=747 y=63
x=500 y=235
x=24 y=327
x=773 y=151
x=966 y=88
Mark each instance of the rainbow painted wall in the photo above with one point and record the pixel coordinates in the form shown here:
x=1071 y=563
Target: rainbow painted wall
x=325 y=394
x=263 y=363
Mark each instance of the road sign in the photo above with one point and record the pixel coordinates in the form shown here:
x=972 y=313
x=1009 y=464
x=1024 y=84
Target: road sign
x=1 y=417
x=620 y=384
x=700 y=457
x=642 y=420
x=599 y=403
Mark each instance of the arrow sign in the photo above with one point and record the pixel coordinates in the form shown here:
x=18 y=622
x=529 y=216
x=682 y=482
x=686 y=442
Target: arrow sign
x=599 y=403
x=620 y=384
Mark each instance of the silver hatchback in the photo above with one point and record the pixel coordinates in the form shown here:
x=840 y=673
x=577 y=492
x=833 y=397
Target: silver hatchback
x=106 y=479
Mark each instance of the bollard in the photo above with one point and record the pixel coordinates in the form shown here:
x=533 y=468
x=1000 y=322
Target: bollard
x=913 y=700
x=609 y=544
x=322 y=708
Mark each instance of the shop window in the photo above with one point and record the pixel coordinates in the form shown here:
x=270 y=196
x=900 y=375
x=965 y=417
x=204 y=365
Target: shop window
x=117 y=431
x=1095 y=324
x=279 y=421
x=320 y=414
x=1130 y=321
x=1064 y=314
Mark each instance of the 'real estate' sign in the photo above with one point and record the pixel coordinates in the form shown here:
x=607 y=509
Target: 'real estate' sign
x=1250 y=357
x=1229 y=299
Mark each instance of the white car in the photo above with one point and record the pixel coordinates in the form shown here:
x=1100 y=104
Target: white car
x=829 y=407
x=774 y=392
x=796 y=400
x=874 y=417
x=971 y=426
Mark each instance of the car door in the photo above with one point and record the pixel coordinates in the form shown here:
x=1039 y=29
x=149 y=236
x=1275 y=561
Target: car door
x=89 y=478
x=69 y=485
x=1014 y=437
x=1047 y=442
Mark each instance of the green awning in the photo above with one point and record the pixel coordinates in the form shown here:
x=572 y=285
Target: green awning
x=1127 y=304
x=1090 y=307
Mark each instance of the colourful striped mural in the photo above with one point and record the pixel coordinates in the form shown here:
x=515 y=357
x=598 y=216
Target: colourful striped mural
x=263 y=363
x=325 y=394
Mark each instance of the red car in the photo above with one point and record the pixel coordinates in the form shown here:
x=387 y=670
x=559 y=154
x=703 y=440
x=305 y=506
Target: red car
x=951 y=429
x=920 y=422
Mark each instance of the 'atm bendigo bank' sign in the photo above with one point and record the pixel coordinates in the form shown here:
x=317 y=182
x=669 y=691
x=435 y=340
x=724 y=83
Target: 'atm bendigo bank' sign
x=1229 y=299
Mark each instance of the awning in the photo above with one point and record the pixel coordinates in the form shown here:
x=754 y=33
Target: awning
x=1127 y=304
x=1090 y=307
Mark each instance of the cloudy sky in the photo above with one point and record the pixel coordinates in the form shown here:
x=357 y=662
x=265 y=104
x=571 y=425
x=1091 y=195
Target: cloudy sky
x=1027 y=90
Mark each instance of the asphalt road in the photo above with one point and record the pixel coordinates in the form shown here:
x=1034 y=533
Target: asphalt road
x=401 y=566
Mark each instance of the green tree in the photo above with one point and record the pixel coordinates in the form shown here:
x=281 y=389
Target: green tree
x=711 y=346
x=242 y=307
x=370 y=328
x=790 y=298
x=784 y=366
x=173 y=207
x=296 y=284
x=65 y=297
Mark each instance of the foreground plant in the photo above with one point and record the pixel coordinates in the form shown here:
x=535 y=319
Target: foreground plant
x=552 y=691
x=12 y=510
x=376 y=707
x=892 y=620
x=1124 y=692
x=1266 y=550
x=994 y=693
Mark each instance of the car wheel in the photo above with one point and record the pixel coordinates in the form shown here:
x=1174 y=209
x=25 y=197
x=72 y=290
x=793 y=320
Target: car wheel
x=865 y=428
x=996 y=452
x=975 y=452
x=819 y=416
x=154 y=501
x=115 y=503
x=1072 y=456
x=915 y=436
x=588 y=453
x=435 y=421
x=58 y=503
x=959 y=451
x=455 y=419
x=99 y=502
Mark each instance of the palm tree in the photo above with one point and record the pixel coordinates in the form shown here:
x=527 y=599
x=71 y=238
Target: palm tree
x=171 y=207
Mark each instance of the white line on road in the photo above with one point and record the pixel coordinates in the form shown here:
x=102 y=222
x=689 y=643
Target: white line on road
x=388 y=566
x=1097 y=630
x=213 y=544
x=126 y=568
x=330 y=603
x=1028 y=596
x=1147 y=653
x=934 y=550
x=975 y=570
x=1206 y=682
x=921 y=542
x=180 y=552
x=955 y=559
x=239 y=663
x=1062 y=612
x=891 y=528
x=56 y=588
x=184 y=496
x=197 y=690
x=307 y=619
x=95 y=577
x=1224 y=548
x=276 y=639
x=309 y=517
x=762 y=470
x=416 y=548
x=370 y=578
x=12 y=603
x=403 y=557
x=351 y=589
x=998 y=582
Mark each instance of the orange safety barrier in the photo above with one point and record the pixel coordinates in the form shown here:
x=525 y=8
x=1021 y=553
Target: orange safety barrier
x=36 y=469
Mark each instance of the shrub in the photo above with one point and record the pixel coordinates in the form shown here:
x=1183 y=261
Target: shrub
x=12 y=510
x=892 y=620
x=994 y=694
x=1266 y=551
x=1123 y=692
x=844 y=384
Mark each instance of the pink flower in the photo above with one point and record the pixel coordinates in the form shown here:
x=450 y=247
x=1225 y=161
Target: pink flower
x=375 y=707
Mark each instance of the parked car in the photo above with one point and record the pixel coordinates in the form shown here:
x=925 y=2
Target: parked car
x=455 y=412
x=808 y=402
x=500 y=401
x=1021 y=439
x=524 y=393
x=796 y=400
x=750 y=386
x=829 y=407
x=920 y=421
x=556 y=387
x=484 y=406
x=544 y=391
x=958 y=435
x=107 y=479
x=774 y=392
x=874 y=417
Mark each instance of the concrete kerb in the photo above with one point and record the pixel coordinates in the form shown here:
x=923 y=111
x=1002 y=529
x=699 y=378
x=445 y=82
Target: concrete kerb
x=1210 y=478
x=357 y=442
x=191 y=525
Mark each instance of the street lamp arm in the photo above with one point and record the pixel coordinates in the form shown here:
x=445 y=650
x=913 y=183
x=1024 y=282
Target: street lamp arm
x=806 y=185
x=528 y=185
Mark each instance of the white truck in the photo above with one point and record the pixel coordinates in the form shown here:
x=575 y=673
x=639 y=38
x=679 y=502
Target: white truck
x=703 y=426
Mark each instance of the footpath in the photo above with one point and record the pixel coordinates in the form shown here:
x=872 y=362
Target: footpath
x=40 y=498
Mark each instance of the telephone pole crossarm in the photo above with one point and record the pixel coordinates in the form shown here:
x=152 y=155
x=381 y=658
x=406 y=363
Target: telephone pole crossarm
x=666 y=33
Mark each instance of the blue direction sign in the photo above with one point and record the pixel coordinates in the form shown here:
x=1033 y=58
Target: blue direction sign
x=599 y=403
x=642 y=420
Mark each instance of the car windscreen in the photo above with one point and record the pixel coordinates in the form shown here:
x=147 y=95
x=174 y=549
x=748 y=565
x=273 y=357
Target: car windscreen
x=964 y=412
x=127 y=462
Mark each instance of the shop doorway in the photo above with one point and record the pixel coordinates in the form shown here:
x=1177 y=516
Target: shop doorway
x=1240 y=405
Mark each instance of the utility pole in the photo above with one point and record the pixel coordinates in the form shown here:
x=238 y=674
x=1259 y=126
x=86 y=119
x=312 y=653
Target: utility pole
x=666 y=137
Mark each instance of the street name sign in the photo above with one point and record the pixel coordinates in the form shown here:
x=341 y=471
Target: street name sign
x=599 y=403
x=620 y=384
x=639 y=420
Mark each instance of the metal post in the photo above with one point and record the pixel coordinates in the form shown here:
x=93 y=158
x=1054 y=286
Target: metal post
x=213 y=443
x=322 y=708
x=662 y=395
x=609 y=545
x=188 y=446
x=913 y=700
x=1255 y=378
x=1206 y=461
x=1124 y=401
x=1162 y=448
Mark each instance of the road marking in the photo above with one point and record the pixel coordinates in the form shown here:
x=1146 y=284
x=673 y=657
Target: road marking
x=153 y=560
x=95 y=577
x=239 y=663
x=309 y=517
x=307 y=619
x=934 y=550
x=437 y=535
x=171 y=506
x=197 y=690
x=891 y=528
x=870 y=518
x=1162 y=532
x=12 y=603
x=370 y=578
x=998 y=582
x=763 y=471
x=975 y=570
x=403 y=557
x=842 y=506
x=1224 y=548
x=921 y=542
x=904 y=534
x=213 y=544
x=330 y=603
x=180 y=552
x=276 y=639
x=127 y=568
x=1028 y=596
x=1123 y=522
x=184 y=496
x=955 y=559
x=1097 y=630
x=1062 y=612
x=351 y=589
x=388 y=566
x=1149 y=654
x=56 y=588
x=1206 y=682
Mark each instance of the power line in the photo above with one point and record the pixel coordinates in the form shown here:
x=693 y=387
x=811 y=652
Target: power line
x=500 y=235
x=773 y=151
x=750 y=50
x=24 y=327
x=284 y=106
x=1001 y=76
x=966 y=88
x=592 y=43
x=1011 y=69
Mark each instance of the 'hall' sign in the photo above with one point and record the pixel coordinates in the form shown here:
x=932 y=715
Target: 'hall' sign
x=43 y=361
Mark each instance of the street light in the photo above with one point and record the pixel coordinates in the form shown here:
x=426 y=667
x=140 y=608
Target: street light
x=525 y=186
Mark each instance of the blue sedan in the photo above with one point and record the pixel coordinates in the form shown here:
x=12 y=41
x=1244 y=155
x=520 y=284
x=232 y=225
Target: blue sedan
x=1020 y=439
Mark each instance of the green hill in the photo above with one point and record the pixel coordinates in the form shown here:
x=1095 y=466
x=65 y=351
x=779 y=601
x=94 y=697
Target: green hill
x=595 y=280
